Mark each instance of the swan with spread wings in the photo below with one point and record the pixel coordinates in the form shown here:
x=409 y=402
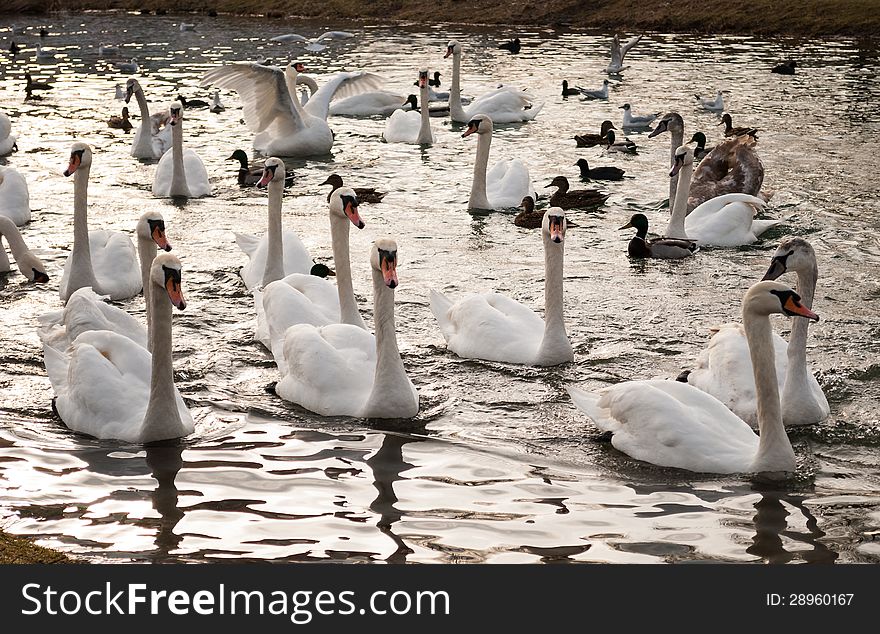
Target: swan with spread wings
x=282 y=125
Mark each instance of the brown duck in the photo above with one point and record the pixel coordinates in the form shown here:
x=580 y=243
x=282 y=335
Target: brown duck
x=364 y=194
x=120 y=123
x=729 y=130
x=576 y=198
x=590 y=140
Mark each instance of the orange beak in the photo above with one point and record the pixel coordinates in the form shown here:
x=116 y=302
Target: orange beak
x=74 y=164
x=159 y=238
x=448 y=52
x=351 y=211
x=471 y=129
x=268 y=175
x=175 y=292
x=796 y=308
x=389 y=272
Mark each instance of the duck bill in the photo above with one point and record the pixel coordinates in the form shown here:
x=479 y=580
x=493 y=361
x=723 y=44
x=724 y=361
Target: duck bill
x=75 y=160
x=174 y=288
x=351 y=210
x=777 y=268
x=626 y=226
x=158 y=235
x=793 y=307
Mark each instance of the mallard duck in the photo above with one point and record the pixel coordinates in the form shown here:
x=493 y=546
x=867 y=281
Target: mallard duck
x=701 y=150
x=589 y=139
x=364 y=194
x=729 y=130
x=574 y=199
x=32 y=86
x=568 y=92
x=513 y=45
x=433 y=83
x=661 y=248
x=250 y=175
x=120 y=123
x=528 y=218
x=192 y=103
x=785 y=68
x=599 y=173
x=613 y=145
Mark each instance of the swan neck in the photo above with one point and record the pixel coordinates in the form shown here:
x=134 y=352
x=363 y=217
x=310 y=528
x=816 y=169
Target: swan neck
x=146 y=254
x=555 y=346
x=16 y=243
x=456 y=112
x=675 y=228
x=425 y=136
x=774 y=449
x=162 y=419
x=81 y=271
x=348 y=308
x=677 y=134
x=390 y=383
x=479 y=199
x=144 y=142
x=797 y=345
x=179 y=187
x=275 y=248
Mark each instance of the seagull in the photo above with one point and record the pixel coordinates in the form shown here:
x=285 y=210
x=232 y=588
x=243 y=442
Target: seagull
x=599 y=93
x=618 y=52
x=293 y=38
x=120 y=92
x=216 y=106
x=185 y=26
x=636 y=121
x=41 y=54
x=715 y=104
x=128 y=67
x=107 y=49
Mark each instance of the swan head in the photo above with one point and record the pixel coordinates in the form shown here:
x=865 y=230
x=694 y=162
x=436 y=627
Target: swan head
x=452 y=48
x=769 y=298
x=176 y=110
x=423 y=78
x=481 y=124
x=344 y=203
x=166 y=273
x=80 y=156
x=683 y=156
x=554 y=224
x=273 y=172
x=32 y=268
x=639 y=222
x=151 y=226
x=527 y=204
x=295 y=67
x=131 y=86
x=383 y=258
x=671 y=121
x=792 y=254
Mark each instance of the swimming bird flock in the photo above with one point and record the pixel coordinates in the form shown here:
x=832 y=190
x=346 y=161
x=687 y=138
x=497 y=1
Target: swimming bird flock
x=113 y=376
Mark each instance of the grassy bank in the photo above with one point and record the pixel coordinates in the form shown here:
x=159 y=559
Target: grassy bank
x=798 y=18
x=17 y=550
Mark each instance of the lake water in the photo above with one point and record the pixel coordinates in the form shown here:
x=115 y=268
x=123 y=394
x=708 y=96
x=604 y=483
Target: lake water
x=499 y=466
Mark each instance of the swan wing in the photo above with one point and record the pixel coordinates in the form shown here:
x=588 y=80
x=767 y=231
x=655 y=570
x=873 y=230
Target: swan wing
x=296 y=258
x=724 y=370
x=671 y=424
x=329 y=369
x=85 y=310
x=368 y=103
x=114 y=261
x=507 y=183
x=403 y=127
x=341 y=85
x=196 y=174
x=263 y=92
x=296 y=299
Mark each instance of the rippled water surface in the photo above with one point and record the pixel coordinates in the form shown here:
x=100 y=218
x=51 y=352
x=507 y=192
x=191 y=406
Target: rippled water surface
x=499 y=466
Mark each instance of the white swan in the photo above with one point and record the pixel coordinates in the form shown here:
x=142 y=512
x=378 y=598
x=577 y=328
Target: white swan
x=283 y=127
x=148 y=143
x=86 y=310
x=103 y=260
x=723 y=221
x=494 y=327
x=308 y=299
x=14 y=196
x=342 y=370
x=180 y=173
x=7 y=139
x=107 y=386
x=618 y=52
x=712 y=104
x=724 y=368
x=632 y=121
x=506 y=184
x=504 y=105
x=410 y=126
x=277 y=253
x=368 y=104
x=28 y=264
x=672 y=424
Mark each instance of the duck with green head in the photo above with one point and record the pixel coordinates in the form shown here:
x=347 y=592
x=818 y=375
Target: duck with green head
x=661 y=248
x=701 y=150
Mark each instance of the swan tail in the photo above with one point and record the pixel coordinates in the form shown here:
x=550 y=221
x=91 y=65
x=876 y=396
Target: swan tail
x=440 y=306
x=247 y=243
x=760 y=226
x=588 y=403
x=532 y=112
x=56 y=366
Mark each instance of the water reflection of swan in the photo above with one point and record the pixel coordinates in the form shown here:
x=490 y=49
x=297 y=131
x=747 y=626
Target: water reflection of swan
x=165 y=462
x=770 y=527
x=387 y=464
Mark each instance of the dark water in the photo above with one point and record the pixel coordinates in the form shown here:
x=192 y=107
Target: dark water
x=499 y=466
